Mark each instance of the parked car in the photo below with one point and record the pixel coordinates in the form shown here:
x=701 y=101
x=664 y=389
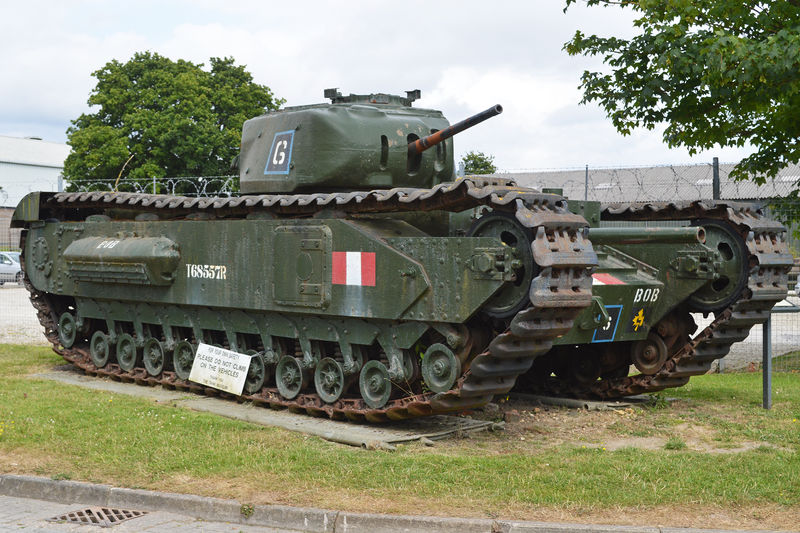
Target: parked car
x=10 y=269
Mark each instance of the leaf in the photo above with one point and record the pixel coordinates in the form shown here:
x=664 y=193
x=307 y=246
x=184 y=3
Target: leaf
x=175 y=117
x=714 y=72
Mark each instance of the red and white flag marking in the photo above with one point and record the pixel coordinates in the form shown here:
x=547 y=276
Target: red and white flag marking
x=606 y=279
x=354 y=268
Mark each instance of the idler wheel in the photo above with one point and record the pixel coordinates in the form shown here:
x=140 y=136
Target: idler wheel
x=512 y=296
x=289 y=377
x=256 y=373
x=374 y=384
x=329 y=380
x=183 y=359
x=67 y=329
x=153 y=356
x=733 y=272
x=650 y=354
x=127 y=353
x=440 y=368
x=99 y=349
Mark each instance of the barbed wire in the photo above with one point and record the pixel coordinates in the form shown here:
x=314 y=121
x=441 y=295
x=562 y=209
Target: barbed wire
x=201 y=186
x=656 y=183
x=603 y=167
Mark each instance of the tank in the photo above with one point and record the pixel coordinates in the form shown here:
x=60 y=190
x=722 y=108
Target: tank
x=357 y=278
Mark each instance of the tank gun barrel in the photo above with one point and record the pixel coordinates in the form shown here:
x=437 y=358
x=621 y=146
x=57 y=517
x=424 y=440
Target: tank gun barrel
x=420 y=145
x=687 y=235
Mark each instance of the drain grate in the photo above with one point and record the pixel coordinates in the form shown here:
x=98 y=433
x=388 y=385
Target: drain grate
x=98 y=516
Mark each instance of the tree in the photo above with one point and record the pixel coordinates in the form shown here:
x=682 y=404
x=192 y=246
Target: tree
x=155 y=118
x=478 y=163
x=715 y=72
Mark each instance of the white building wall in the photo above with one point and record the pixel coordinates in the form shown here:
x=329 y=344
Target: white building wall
x=28 y=165
x=18 y=180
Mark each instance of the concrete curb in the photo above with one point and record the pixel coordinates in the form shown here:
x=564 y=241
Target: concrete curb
x=285 y=517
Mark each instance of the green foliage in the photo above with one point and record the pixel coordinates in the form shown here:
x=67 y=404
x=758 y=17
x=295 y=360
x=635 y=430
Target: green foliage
x=478 y=163
x=173 y=117
x=657 y=400
x=723 y=72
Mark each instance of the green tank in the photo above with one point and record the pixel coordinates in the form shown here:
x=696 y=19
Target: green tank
x=357 y=278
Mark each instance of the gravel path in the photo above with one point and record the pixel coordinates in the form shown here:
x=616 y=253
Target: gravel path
x=18 y=322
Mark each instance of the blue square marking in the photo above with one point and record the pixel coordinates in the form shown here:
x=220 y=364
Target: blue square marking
x=279 y=158
x=608 y=333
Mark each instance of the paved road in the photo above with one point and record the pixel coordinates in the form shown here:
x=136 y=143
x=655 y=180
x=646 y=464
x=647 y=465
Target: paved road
x=21 y=514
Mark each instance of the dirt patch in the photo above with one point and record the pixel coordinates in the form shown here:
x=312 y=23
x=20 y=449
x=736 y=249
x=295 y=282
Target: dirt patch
x=531 y=426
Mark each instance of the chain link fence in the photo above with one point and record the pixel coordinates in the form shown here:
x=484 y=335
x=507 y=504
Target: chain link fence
x=18 y=322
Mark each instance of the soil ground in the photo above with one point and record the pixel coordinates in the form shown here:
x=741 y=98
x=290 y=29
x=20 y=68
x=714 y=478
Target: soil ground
x=532 y=426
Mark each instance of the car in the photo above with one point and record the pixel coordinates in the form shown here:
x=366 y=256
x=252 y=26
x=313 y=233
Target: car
x=10 y=269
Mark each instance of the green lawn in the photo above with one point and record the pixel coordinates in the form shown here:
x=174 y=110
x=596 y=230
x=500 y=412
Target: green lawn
x=63 y=431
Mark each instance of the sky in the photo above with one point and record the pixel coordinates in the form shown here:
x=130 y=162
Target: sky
x=464 y=56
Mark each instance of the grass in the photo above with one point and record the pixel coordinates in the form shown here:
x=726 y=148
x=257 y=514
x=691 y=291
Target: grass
x=66 y=432
x=675 y=443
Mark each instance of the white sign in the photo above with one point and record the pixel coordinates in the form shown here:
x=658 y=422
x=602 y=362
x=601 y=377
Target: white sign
x=220 y=368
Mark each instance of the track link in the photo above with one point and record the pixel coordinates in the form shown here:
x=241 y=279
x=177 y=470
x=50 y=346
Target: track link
x=561 y=290
x=769 y=263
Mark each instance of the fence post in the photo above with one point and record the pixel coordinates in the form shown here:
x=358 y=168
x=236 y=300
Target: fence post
x=766 y=363
x=715 y=178
x=586 y=185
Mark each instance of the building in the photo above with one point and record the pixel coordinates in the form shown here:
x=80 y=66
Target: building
x=670 y=183
x=26 y=165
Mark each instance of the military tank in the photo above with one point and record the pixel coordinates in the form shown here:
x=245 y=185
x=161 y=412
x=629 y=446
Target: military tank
x=356 y=278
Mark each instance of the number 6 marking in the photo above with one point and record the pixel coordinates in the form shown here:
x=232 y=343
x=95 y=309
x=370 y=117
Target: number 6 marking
x=280 y=150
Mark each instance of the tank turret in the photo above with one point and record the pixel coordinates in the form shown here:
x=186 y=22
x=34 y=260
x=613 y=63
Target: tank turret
x=356 y=142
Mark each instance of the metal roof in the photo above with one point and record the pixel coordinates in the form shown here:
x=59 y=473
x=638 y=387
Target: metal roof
x=34 y=152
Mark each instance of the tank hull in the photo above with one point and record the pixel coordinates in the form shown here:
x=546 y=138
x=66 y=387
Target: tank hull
x=278 y=276
x=284 y=281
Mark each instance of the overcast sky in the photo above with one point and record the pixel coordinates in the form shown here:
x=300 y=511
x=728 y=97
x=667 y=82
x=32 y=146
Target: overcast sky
x=464 y=55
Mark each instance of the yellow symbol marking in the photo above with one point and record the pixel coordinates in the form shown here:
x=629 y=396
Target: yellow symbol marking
x=638 y=320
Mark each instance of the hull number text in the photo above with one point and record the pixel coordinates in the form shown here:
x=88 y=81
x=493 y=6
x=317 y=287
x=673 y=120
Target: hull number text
x=646 y=295
x=207 y=271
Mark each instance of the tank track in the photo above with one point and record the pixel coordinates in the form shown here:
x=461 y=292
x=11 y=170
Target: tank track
x=561 y=290
x=769 y=263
